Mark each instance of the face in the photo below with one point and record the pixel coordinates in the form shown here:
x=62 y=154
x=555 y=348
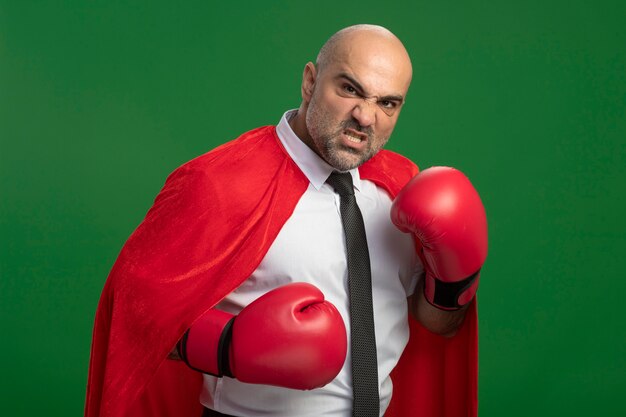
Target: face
x=353 y=109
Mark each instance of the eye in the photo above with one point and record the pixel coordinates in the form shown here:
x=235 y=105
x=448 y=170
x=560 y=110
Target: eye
x=388 y=104
x=349 y=89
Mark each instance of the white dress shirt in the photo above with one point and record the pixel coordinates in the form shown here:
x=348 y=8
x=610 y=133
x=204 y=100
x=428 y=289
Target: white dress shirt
x=311 y=248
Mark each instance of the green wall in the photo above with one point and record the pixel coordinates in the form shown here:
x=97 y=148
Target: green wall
x=99 y=101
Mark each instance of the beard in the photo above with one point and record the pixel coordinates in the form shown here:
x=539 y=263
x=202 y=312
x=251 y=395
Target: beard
x=326 y=135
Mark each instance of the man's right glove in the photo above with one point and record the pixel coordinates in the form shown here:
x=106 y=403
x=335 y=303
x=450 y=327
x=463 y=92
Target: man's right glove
x=444 y=212
x=289 y=337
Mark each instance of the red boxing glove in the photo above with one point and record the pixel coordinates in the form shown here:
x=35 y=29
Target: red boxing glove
x=443 y=210
x=289 y=337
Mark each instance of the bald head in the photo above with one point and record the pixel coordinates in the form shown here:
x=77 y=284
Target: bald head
x=352 y=95
x=372 y=40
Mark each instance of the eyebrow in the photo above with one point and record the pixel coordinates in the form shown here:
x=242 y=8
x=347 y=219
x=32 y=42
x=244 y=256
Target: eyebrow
x=362 y=90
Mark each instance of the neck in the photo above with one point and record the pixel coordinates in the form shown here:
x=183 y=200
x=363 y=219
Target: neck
x=298 y=125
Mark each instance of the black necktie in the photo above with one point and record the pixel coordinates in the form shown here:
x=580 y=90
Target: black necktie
x=363 y=338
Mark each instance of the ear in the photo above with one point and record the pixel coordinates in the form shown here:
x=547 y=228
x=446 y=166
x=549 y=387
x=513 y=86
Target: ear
x=308 y=81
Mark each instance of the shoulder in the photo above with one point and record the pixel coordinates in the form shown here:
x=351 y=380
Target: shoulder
x=393 y=161
x=234 y=158
x=389 y=170
x=249 y=164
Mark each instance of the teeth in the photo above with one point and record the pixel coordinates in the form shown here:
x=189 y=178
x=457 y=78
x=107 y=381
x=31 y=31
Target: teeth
x=352 y=138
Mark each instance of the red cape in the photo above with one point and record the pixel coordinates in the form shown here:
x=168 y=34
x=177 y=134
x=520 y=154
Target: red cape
x=208 y=230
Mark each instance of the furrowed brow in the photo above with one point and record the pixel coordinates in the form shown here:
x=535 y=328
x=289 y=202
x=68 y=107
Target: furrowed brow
x=353 y=81
x=393 y=98
x=358 y=86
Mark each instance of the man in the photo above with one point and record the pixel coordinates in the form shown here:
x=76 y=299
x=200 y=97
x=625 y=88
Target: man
x=254 y=215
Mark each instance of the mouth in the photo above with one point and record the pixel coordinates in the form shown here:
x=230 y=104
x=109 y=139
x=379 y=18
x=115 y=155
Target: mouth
x=354 y=136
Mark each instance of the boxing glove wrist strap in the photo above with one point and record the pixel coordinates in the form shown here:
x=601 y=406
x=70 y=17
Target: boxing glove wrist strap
x=445 y=295
x=205 y=345
x=223 y=349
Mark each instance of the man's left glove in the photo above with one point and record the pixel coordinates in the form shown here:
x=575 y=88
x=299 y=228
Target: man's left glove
x=444 y=212
x=289 y=337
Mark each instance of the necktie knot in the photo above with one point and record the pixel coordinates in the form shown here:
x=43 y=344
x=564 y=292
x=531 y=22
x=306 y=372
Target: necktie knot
x=341 y=182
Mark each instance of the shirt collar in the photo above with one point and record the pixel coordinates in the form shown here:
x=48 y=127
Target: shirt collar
x=314 y=168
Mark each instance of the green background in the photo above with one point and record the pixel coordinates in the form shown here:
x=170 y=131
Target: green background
x=99 y=101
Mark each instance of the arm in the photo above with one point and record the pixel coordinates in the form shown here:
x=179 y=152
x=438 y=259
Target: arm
x=444 y=212
x=173 y=355
x=289 y=337
x=442 y=322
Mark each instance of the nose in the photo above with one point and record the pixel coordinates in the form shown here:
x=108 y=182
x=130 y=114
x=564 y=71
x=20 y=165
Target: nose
x=364 y=113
